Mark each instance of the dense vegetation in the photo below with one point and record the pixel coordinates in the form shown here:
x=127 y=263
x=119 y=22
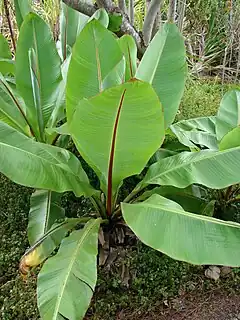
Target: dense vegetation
x=104 y=169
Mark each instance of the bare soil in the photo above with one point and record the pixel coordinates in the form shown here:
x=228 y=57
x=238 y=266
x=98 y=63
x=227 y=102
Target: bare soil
x=213 y=305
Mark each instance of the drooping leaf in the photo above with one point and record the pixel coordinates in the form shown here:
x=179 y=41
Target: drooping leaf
x=231 y=139
x=71 y=23
x=228 y=116
x=185 y=197
x=67 y=280
x=22 y=8
x=164 y=66
x=44 y=211
x=12 y=110
x=165 y=226
x=45 y=245
x=102 y=16
x=199 y=131
x=94 y=55
x=40 y=166
x=110 y=131
x=36 y=35
x=204 y=124
x=129 y=49
x=214 y=169
x=195 y=138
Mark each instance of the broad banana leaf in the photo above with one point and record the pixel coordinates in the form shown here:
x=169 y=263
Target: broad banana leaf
x=71 y=23
x=94 y=55
x=67 y=280
x=228 y=116
x=195 y=138
x=12 y=110
x=163 y=225
x=214 y=169
x=204 y=124
x=36 y=35
x=45 y=245
x=231 y=139
x=199 y=131
x=164 y=66
x=44 y=211
x=129 y=49
x=116 y=134
x=22 y=8
x=185 y=197
x=40 y=166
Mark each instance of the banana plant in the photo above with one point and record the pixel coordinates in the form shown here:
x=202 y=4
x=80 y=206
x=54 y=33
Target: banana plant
x=117 y=122
x=220 y=132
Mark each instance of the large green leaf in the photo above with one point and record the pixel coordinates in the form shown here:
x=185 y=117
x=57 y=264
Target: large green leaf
x=185 y=197
x=204 y=124
x=214 y=169
x=40 y=166
x=12 y=110
x=199 y=131
x=45 y=245
x=67 y=280
x=129 y=49
x=195 y=138
x=165 y=226
x=36 y=35
x=228 y=116
x=231 y=139
x=44 y=211
x=115 y=132
x=164 y=65
x=71 y=22
x=94 y=55
x=22 y=8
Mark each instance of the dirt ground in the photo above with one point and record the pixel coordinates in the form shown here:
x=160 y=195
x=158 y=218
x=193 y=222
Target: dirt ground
x=210 y=306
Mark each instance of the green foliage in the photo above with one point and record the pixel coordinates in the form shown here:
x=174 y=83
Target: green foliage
x=104 y=139
x=36 y=53
x=116 y=121
x=71 y=23
x=164 y=66
x=22 y=8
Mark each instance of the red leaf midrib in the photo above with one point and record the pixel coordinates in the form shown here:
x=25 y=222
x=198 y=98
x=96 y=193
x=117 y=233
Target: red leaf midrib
x=111 y=159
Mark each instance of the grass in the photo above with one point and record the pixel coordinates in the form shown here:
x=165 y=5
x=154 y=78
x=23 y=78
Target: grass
x=202 y=98
x=153 y=277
